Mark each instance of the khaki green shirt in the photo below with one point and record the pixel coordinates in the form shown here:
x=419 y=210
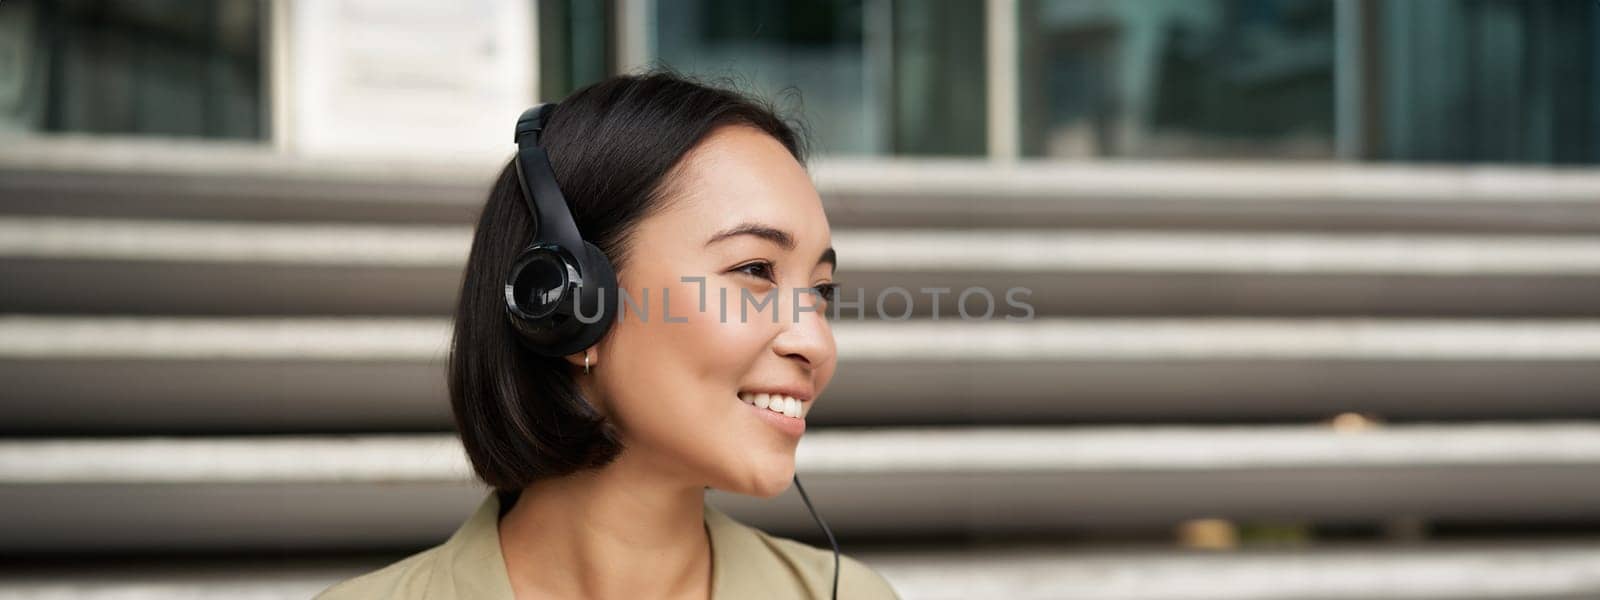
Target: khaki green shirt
x=745 y=563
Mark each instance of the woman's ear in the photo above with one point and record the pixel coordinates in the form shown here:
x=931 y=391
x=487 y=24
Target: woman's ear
x=576 y=359
x=586 y=385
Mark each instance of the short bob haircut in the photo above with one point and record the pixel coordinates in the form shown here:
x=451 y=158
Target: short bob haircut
x=613 y=146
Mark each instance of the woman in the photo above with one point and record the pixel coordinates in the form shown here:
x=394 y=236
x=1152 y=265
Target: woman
x=600 y=458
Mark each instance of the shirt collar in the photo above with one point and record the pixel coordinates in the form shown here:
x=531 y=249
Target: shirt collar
x=470 y=564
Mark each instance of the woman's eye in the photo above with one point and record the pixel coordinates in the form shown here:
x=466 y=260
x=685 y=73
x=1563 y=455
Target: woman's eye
x=763 y=270
x=757 y=269
x=827 y=291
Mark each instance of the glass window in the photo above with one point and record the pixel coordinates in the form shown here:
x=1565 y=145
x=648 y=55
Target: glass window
x=152 y=67
x=872 y=76
x=779 y=47
x=940 y=86
x=1500 y=80
x=1199 y=78
x=574 y=47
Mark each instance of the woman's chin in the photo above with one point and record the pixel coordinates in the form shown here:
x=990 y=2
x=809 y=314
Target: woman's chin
x=770 y=482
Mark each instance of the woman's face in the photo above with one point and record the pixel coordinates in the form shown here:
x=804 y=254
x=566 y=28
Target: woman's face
x=743 y=224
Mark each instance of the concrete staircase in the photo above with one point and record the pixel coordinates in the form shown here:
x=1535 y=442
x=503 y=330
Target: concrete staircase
x=1366 y=382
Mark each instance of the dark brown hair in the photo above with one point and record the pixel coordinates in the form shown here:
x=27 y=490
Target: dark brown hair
x=612 y=145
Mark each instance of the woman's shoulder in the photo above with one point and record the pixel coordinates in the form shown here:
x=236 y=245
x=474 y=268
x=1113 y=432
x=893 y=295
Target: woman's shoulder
x=405 y=578
x=466 y=565
x=812 y=564
x=856 y=579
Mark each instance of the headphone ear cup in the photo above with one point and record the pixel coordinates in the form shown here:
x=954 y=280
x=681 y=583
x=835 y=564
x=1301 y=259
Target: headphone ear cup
x=598 y=293
x=538 y=290
x=549 y=288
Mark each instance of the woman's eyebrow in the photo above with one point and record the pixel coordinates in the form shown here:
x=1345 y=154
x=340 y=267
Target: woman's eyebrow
x=766 y=232
x=772 y=234
x=828 y=256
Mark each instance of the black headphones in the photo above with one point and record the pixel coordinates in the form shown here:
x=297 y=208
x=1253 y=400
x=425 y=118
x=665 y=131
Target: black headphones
x=560 y=280
x=559 y=272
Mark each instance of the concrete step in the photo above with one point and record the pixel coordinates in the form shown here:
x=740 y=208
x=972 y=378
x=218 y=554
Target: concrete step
x=1509 y=570
x=1208 y=195
x=108 y=266
x=373 y=491
x=112 y=374
x=121 y=266
x=90 y=177
x=1563 y=570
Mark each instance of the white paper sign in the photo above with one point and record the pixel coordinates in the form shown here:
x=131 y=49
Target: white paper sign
x=408 y=78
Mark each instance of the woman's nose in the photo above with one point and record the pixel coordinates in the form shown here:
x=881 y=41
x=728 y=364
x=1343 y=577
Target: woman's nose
x=806 y=334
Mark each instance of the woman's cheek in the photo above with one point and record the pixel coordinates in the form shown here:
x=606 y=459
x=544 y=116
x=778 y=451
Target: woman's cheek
x=719 y=326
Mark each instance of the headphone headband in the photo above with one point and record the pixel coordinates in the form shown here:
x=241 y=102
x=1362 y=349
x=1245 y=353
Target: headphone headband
x=552 y=220
x=559 y=278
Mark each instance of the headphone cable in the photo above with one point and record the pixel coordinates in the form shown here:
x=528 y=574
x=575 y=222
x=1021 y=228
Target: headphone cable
x=825 y=530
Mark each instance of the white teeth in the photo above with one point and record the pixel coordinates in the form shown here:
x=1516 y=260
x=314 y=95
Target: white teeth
x=784 y=405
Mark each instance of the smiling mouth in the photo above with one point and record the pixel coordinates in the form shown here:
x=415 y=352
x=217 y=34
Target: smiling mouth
x=787 y=406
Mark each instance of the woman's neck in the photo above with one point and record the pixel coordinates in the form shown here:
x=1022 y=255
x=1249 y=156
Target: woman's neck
x=625 y=531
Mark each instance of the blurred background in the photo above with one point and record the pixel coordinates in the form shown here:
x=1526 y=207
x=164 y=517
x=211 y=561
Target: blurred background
x=1317 y=285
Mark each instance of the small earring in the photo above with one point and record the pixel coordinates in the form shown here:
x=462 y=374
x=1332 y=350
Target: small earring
x=586 y=363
